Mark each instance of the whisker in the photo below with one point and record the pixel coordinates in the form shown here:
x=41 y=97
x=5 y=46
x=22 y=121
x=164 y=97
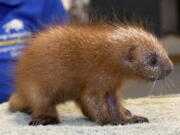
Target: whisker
x=171 y=82
x=158 y=91
x=161 y=88
x=165 y=90
x=164 y=83
x=166 y=86
x=152 y=88
x=169 y=87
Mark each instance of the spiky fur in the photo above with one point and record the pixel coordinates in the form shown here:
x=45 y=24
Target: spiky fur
x=81 y=63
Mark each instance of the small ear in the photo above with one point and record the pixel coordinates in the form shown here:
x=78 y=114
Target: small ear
x=130 y=54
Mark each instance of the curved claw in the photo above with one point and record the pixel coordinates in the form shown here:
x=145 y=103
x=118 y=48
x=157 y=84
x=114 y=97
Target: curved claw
x=43 y=121
x=138 y=119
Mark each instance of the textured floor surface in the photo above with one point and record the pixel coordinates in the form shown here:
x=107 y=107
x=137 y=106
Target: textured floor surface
x=163 y=113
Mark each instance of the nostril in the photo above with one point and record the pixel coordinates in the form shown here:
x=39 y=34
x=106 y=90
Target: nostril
x=168 y=72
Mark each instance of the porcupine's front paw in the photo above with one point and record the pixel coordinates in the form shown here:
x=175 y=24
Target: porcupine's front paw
x=137 y=119
x=110 y=122
x=132 y=120
x=44 y=120
x=105 y=119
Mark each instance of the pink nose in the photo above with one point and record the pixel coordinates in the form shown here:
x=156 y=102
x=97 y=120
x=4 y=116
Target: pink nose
x=169 y=68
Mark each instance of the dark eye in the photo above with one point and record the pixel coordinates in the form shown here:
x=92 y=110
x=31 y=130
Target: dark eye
x=153 y=61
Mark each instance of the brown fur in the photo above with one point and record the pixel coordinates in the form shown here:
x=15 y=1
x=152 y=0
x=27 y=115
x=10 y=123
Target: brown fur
x=87 y=64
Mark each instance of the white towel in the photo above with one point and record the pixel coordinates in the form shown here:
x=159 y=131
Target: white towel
x=162 y=112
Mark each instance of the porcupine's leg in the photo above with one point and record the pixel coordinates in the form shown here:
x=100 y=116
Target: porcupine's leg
x=118 y=112
x=94 y=106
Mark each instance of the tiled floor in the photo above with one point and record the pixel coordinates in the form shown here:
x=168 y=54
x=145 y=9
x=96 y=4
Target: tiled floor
x=170 y=85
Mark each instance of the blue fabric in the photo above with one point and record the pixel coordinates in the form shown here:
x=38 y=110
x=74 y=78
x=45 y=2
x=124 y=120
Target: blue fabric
x=18 y=20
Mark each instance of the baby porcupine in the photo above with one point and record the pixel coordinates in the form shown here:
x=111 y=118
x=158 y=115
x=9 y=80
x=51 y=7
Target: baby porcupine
x=89 y=65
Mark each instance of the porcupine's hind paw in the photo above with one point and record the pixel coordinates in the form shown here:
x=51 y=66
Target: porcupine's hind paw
x=44 y=120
